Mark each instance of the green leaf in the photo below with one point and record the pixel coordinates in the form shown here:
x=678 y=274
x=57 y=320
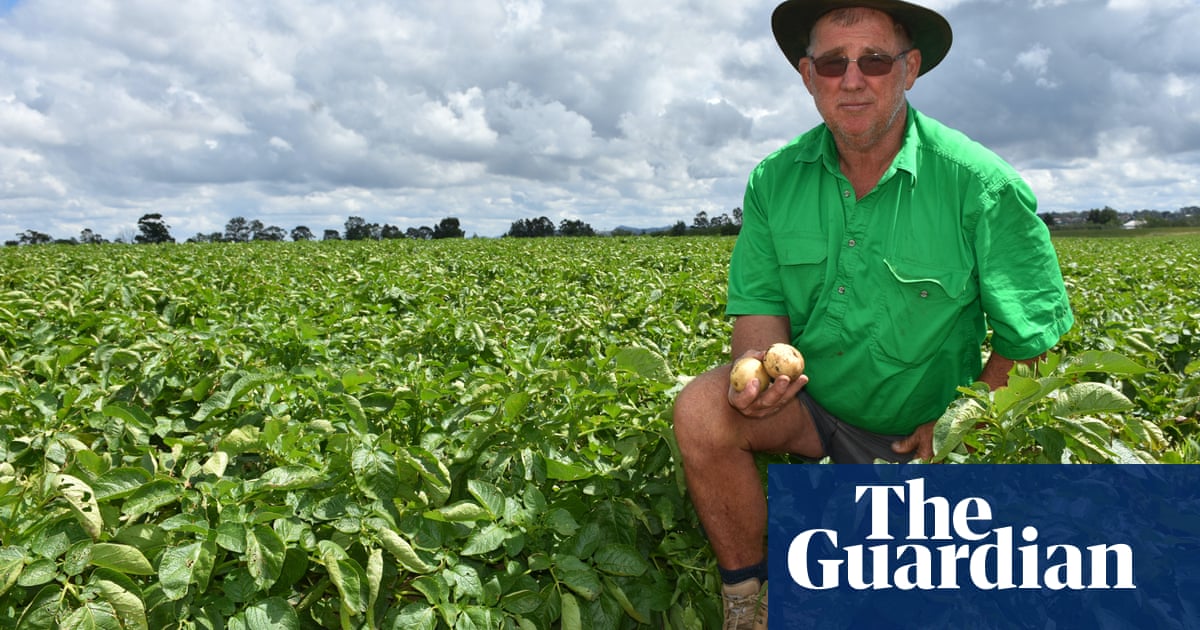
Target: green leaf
x=614 y=589
x=131 y=414
x=38 y=572
x=962 y=416
x=577 y=576
x=129 y=609
x=12 y=562
x=82 y=500
x=485 y=540
x=119 y=483
x=1089 y=398
x=41 y=611
x=185 y=565
x=644 y=363
x=1103 y=361
x=121 y=558
x=272 y=613
x=399 y=547
x=226 y=399
x=286 y=478
x=347 y=575
x=571 y=617
x=374 y=578
x=515 y=404
x=620 y=559
x=264 y=555
x=488 y=495
x=461 y=512
x=375 y=473
x=92 y=615
x=150 y=497
x=521 y=602
x=1091 y=432
x=561 y=471
x=415 y=616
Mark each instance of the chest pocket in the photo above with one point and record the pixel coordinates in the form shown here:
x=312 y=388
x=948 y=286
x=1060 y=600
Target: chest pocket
x=918 y=309
x=802 y=270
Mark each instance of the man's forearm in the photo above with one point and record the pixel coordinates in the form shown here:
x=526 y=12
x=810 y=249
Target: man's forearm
x=995 y=371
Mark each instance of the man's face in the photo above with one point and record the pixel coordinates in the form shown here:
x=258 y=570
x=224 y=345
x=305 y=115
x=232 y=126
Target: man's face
x=860 y=109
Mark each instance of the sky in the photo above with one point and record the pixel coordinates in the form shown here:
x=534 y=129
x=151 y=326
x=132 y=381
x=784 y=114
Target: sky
x=622 y=112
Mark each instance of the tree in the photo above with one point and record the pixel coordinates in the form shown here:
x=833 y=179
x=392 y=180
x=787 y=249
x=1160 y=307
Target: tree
x=448 y=228
x=154 y=230
x=701 y=221
x=331 y=235
x=238 y=230
x=575 y=228
x=357 y=229
x=211 y=237
x=391 y=232
x=422 y=233
x=270 y=233
x=33 y=237
x=88 y=237
x=531 y=228
x=1107 y=216
x=737 y=216
x=302 y=233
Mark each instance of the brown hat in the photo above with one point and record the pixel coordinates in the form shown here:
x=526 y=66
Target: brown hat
x=793 y=20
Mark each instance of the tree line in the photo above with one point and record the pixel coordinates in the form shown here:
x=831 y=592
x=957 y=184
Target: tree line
x=153 y=228
x=1106 y=217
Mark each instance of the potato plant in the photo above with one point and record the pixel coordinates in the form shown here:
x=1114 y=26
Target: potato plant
x=446 y=434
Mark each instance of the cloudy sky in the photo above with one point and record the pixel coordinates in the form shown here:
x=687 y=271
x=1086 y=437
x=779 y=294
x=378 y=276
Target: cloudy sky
x=620 y=112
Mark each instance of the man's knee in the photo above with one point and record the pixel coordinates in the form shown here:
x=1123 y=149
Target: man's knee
x=702 y=405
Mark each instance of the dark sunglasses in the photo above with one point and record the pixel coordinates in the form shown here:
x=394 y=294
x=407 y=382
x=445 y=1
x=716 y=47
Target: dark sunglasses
x=873 y=65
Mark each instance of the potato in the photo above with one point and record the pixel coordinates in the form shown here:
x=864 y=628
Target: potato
x=783 y=359
x=745 y=370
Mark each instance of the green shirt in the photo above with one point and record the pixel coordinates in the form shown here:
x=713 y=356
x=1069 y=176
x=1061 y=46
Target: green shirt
x=890 y=296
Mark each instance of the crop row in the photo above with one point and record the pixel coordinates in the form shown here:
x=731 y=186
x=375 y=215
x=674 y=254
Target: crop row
x=448 y=434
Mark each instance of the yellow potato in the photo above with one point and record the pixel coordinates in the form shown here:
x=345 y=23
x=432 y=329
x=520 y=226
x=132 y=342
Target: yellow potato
x=783 y=359
x=745 y=370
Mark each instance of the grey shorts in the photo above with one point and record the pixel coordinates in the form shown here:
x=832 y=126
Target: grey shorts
x=848 y=444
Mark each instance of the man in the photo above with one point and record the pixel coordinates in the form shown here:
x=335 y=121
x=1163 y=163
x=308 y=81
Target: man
x=883 y=245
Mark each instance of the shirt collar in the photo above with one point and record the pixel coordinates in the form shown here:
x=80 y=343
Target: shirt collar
x=905 y=160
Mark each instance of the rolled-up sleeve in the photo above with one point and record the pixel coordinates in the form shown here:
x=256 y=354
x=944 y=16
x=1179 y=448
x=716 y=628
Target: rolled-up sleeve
x=754 y=282
x=1022 y=290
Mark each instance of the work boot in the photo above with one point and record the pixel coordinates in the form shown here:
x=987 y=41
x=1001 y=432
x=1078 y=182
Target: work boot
x=745 y=605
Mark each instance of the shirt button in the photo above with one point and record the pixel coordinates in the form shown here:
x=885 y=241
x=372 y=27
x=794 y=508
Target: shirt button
x=846 y=194
x=852 y=243
x=841 y=289
x=924 y=294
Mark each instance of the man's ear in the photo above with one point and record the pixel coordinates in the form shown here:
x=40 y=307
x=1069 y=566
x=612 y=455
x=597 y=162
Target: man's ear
x=805 y=68
x=912 y=68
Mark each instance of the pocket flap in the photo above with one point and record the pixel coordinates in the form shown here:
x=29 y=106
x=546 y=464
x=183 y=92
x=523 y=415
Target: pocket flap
x=952 y=281
x=800 y=249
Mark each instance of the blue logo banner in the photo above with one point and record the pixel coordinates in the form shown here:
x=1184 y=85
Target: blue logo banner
x=984 y=546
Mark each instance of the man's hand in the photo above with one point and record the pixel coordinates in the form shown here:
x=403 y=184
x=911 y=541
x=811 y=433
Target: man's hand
x=763 y=400
x=920 y=441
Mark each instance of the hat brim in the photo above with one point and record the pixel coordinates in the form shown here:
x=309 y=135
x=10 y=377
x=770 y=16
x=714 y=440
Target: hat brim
x=793 y=20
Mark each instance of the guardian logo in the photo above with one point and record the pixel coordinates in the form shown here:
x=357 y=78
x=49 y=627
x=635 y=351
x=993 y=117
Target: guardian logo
x=984 y=546
x=987 y=558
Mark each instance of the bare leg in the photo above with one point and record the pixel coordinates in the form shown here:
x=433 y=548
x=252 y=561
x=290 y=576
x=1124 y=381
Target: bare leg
x=718 y=446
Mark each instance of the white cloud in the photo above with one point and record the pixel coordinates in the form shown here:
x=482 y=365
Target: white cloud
x=623 y=112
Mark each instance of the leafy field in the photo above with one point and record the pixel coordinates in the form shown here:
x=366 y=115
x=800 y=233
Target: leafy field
x=447 y=434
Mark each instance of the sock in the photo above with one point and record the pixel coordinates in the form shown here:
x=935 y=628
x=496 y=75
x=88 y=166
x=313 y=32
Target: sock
x=733 y=576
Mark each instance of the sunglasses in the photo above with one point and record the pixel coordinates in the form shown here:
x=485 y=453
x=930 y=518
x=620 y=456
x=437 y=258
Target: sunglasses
x=873 y=65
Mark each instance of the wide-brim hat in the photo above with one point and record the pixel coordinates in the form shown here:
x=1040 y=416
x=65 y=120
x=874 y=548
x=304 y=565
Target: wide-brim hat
x=793 y=20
